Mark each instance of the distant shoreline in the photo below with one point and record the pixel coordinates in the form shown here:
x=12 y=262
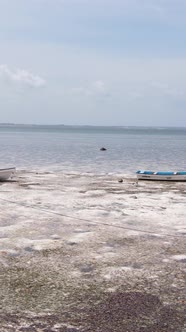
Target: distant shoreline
x=4 y=124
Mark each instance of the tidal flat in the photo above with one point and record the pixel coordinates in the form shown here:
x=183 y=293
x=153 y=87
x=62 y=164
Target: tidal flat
x=88 y=253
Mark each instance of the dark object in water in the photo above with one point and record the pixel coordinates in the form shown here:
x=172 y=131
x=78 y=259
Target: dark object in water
x=120 y=180
x=103 y=149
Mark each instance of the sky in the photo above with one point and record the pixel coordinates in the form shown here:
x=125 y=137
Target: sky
x=93 y=62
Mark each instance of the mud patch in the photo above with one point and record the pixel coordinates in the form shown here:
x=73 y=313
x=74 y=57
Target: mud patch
x=133 y=311
x=118 y=312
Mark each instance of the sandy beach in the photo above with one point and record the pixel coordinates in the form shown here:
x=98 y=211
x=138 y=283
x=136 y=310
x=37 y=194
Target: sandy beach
x=85 y=252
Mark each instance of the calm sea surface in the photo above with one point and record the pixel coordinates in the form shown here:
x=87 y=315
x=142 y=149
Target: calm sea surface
x=77 y=149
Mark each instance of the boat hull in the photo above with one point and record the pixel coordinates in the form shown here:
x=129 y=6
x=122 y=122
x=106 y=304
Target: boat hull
x=6 y=173
x=161 y=176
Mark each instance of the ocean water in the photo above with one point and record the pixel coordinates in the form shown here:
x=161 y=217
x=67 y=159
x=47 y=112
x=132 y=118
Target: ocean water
x=77 y=148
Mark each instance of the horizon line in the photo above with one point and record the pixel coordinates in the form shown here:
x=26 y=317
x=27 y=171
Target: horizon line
x=87 y=125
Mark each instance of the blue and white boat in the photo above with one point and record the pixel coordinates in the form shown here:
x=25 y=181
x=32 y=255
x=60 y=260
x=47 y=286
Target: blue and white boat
x=161 y=176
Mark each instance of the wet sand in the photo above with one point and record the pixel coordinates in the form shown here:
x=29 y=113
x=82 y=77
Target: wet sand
x=80 y=252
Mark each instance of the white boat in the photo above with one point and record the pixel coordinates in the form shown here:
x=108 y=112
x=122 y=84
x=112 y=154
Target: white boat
x=6 y=173
x=161 y=176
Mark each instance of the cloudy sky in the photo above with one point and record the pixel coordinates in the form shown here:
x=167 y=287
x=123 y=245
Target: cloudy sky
x=96 y=62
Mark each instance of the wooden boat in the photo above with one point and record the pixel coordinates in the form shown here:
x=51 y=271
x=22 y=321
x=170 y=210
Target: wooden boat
x=161 y=176
x=6 y=173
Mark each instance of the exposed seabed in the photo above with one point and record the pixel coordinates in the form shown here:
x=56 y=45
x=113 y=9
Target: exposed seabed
x=82 y=252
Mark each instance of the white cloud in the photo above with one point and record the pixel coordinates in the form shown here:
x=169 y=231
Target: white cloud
x=21 y=76
x=99 y=86
x=95 y=88
x=162 y=90
x=169 y=89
